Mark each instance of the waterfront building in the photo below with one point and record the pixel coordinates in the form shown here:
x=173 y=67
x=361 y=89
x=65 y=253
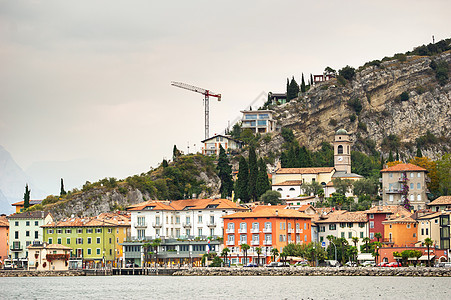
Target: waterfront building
x=4 y=239
x=20 y=205
x=435 y=226
x=404 y=180
x=212 y=144
x=266 y=227
x=435 y=255
x=442 y=203
x=342 y=224
x=24 y=230
x=92 y=240
x=259 y=121
x=400 y=231
x=48 y=257
x=377 y=214
x=180 y=219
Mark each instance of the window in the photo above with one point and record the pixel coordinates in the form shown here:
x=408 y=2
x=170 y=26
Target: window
x=342 y=234
x=255 y=226
x=59 y=231
x=36 y=223
x=419 y=186
x=390 y=225
x=36 y=234
x=371 y=235
x=98 y=230
x=16 y=234
x=361 y=225
x=411 y=175
x=89 y=240
x=390 y=198
x=68 y=230
x=291 y=189
x=350 y=225
x=422 y=231
x=414 y=235
x=297 y=225
x=361 y=235
x=427 y=231
x=390 y=175
x=305 y=225
x=68 y=241
x=231 y=238
x=199 y=232
x=58 y=241
x=371 y=224
x=350 y=235
x=199 y=219
x=332 y=226
x=27 y=233
x=268 y=238
x=98 y=240
x=157 y=220
x=412 y=198
x=243 y=239
x=255 y=238
x=418 y=197
x=342 y=225
x=408 y=226
x=79 y=231
x=279 y=189
x=188 y=220
x=98 y=251
x=27 y=223
x=49 y=231
x=243 y=227
x=371 y=216
x=89 y=230
x=305 y=238
x=177 y=220
x=411 y=186
x=50 y=241
x=231 y=226
x=340 y=149
x=188 y=232
x=110 y=230
x=268 y=226
x=322 y=228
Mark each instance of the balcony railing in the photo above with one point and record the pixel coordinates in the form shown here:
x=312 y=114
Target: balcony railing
x=290 y=230
x=242 y=230
x=230 y=243
x=16 y=246
x=299 y=230
x=267 y=242
x=187 y=225
x=255 y=230
x=157 y=225
x=243 y=242
x=211 y=224
x=140 y=225
x=393 y=191
x=267 y=230
x=255 y=243
x=387 y=241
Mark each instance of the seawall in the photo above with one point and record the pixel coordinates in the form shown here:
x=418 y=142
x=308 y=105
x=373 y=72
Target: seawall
x=309 y=271
x=21 y=273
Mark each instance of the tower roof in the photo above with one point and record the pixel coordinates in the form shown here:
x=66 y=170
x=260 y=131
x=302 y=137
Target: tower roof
x=341 y=131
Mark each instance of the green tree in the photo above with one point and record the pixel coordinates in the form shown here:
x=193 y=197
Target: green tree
x=258 y=250
x=165 y=163
x=390 y=157
x=146 y=250
x=378 y=236
x=242 y=181
x=312 y=188
x=428 y=242
x=342 y=186
x=444 y=174
x=347 y=72
x=155 y=244
x=62 y=191
x=236 y=131
x=365 y=186
x=271 y=197
x=292 y=89
x=245 y=248
x=263 y=183
x=26 y=197
x=225 y=254
x=366 y=247
x=303 y=89
x=224 y=173
x=419 y=154
x=253 y=174
x=274 y=253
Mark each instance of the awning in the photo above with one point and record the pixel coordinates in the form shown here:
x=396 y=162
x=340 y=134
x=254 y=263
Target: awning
x=424 y=257
x=365 y=256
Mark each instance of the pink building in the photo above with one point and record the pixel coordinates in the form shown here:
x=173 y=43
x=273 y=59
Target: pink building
x=4 y=239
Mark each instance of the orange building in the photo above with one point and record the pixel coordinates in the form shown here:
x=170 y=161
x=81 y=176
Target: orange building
x=266 y=227
x=20 y=205
x=400 y=231
x=4 y=239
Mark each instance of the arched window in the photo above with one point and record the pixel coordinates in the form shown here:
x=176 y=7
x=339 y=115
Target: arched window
x=243 y=226
x=279 y=189
x=291 y=189
x=418 y=197
x=231 y=226
x=340 y=149
x=412 y=197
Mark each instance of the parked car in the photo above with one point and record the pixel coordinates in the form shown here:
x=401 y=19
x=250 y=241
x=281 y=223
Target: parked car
x=382 y=264
x=332 y=263
x=394 y=264
x=251 y=265
x=130 y=265
x=303 y=263
x=443 y=265
x=368 y=263
x=9 y=266
x=275 y=264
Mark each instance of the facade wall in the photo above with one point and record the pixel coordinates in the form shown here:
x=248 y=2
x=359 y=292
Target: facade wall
x=38 y=261
x=429 y=228
x=4 y=243
x=321 y=177
x=375 y=225
x=346 y=230
x=401 y=234
x=288 y=191
x=259 y=121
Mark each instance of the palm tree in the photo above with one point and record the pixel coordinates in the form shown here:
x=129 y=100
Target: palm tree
x=274 y=253
x=225 y=253
x=428 y=243
x=283 y=256
x=355 y=240
x=366 y=240
x=146 y=248
x=377 y=245
x=378 y=235
x=155 y=244
x=259 y=251
x=244 y=248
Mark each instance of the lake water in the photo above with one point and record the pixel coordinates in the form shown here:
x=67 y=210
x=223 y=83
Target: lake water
x=222 y=287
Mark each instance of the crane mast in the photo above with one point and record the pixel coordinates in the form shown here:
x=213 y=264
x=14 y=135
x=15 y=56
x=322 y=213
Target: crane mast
x=206 y=94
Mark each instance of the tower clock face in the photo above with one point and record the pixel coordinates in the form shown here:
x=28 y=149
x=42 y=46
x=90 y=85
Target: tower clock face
x=340 y=158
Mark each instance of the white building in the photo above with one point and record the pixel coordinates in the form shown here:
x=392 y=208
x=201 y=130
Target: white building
x=343 y=224
x=211 y=145
x=24 y=230
x=180 y=218
x=259 y=121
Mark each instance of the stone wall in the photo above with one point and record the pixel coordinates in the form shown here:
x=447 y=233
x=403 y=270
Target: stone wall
x=20 y=273
x=309 y=271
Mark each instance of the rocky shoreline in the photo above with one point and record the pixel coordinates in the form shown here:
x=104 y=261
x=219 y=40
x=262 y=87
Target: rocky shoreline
x=21 y=273
x=309 y=271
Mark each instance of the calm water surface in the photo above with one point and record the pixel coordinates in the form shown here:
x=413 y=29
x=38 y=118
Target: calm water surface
x=225 y=287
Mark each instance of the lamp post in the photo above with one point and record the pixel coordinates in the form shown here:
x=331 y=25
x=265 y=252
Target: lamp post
x=335 y=250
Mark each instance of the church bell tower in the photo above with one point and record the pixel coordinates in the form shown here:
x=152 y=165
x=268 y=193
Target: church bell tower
x=342 y=151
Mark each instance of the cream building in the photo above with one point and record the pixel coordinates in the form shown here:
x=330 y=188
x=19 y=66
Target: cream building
x=404 y=178
x=48 y=257
x=259 y=121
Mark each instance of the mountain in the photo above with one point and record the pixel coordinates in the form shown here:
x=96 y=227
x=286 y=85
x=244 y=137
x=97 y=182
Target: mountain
x=12 y=183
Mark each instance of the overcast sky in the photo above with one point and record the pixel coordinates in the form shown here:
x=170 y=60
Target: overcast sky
x=90 y=80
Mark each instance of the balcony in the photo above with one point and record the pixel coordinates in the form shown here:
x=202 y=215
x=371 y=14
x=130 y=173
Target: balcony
x=299 y=230
x=267 y=230
x=230 y=243
x=290 y=230
x=140 y=225
x=387 y=241
x=156 y=225
x=16 y=246
x=211 y=224
x=243 y=242
x=393 y=191
x=255 y=230
x=229 y=231
x=242 y=230
x=187 y=225
x=267 y=242
x=255 y=243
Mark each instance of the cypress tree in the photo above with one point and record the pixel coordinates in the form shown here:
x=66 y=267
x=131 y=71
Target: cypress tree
x=304 y=158
x=262 y=180
x=224 y=173
x=62 y=191
x=419 y=154
x=284 y=160
x=390 y=156
x=292 y=89
x=26 y=197
x=311 y=79
x=303 y=89
x=397 y=155
x=253 y=173
x=242 y=181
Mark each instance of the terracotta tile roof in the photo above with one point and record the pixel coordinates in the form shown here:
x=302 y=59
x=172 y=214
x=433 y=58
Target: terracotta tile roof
x=187 y=204
x=388 y=209
x=81 y=222
x=443 y=200
x=288 y=183
x=30 y=215
x=4 y=221
x=32 y=202
x=304 y=207
x=49 y=246
x=305 y=170
x=430 y=216
x=403 y=167
x=402 y=219
x=343 y=216
x=118 y=219
x=264 y=211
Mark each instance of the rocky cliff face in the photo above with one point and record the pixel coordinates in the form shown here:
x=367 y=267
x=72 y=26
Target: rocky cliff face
x=316 y=115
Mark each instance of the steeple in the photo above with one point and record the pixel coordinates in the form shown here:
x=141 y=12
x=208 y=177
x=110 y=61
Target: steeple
x=342 y=151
